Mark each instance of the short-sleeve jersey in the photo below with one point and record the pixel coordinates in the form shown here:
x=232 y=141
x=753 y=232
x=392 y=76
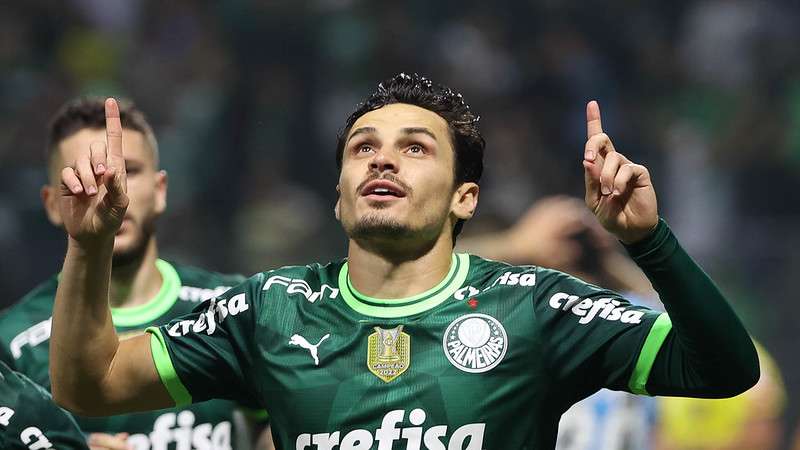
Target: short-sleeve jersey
x=24 y=345
x=30 y=420
x=488 y=359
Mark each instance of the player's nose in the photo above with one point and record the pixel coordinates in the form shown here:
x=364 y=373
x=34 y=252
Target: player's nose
x=384 y=161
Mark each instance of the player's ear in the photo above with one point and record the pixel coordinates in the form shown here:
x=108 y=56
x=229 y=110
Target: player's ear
x=465 y=200
x=49 y=196
x=338 y=199
x=161 y=191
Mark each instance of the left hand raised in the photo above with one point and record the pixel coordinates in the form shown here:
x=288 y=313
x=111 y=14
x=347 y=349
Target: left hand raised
x=619 y=192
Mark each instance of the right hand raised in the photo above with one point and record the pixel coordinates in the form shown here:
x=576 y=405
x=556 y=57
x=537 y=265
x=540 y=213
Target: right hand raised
x=94 y=187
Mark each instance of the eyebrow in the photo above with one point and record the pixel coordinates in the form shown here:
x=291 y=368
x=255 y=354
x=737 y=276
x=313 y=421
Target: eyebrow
x=415 y=130
x=362 y=130
x=406 y=131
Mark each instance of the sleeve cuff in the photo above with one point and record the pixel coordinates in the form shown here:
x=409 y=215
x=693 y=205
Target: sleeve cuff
x=655 y=248
x=166 y=371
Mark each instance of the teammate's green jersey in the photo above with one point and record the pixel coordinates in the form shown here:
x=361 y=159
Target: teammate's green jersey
x=24 y=345
x=30 y=420
x=488 y=359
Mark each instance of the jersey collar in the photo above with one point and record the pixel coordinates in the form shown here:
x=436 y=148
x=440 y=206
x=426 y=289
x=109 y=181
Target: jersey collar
x=155 y=307
x=402 y=307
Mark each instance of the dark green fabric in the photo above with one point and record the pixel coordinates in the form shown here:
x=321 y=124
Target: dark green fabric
x=29 y=418
x=561 y=340
x=25 y=342
x=708 y=352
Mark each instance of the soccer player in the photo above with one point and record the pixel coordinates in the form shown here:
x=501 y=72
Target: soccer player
x=404 y=344
x=143 y=291
x=29 y=420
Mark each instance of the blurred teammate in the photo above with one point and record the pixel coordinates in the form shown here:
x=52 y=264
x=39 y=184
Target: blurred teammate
x=404 y=344
x=30 y=420
x=144 y=290
x=558 y=232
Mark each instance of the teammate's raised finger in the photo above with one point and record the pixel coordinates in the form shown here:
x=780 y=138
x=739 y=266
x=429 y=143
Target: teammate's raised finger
x=593 y=122
x=84 y=171
x=114 y=135
x=71 y=181
x=98 y=152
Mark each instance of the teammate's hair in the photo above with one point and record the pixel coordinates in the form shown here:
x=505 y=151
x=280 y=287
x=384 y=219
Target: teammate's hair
x=89 y=112
x=417 y=90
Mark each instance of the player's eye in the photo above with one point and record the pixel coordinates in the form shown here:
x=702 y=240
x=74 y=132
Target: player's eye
x=415 y=149
x=364 y=148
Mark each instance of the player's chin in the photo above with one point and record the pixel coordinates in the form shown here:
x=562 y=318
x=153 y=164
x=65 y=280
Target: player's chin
x=127 y=233
x=373 y=202
x=125 y=256
x=127 y=242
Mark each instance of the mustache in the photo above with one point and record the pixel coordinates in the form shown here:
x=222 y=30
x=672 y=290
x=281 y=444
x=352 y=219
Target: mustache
x=388 y=177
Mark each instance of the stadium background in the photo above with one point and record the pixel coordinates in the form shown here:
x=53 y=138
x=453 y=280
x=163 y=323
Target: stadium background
x=246 y=98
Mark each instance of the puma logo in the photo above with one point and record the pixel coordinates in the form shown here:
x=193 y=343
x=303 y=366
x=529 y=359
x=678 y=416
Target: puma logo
x=302 y=342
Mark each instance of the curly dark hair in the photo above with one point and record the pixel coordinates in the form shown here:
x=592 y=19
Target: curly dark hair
x=417 y=90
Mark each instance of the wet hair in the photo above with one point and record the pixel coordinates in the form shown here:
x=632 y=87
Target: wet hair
x=417 y=90
x=89 y=112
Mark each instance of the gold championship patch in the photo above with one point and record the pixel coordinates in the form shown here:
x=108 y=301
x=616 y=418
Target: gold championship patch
x=388 y=353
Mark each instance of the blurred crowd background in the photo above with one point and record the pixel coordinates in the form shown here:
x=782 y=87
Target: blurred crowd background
x=246 y=98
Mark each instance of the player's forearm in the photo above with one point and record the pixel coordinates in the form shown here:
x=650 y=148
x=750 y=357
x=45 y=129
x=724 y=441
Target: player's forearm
x=83 y=340
x=709 y=353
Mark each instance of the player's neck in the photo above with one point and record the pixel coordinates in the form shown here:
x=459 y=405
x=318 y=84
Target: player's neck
x=387 y=276
x=138 y=282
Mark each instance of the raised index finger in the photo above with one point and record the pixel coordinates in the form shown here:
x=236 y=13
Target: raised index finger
x=593 y=124
x=114 y=136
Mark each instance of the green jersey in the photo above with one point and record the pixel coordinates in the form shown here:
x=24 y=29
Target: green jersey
x=488 y=359
x=29 y=420
x=24 y=345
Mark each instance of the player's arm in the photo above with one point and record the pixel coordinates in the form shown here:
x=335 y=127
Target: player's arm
x=92 y=371
x=707 y=351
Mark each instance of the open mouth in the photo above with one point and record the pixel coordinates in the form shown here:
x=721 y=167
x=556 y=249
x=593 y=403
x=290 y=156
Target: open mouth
x=382 y=190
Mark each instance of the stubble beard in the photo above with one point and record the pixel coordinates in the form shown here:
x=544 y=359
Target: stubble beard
x=134 y=254
x=392 y=237
x=373 y=226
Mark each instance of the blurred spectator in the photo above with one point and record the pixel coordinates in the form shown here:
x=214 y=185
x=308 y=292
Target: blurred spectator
x=753 y=420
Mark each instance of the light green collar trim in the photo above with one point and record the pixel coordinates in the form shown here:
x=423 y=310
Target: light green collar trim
x=157 y=306
x=402 y=307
